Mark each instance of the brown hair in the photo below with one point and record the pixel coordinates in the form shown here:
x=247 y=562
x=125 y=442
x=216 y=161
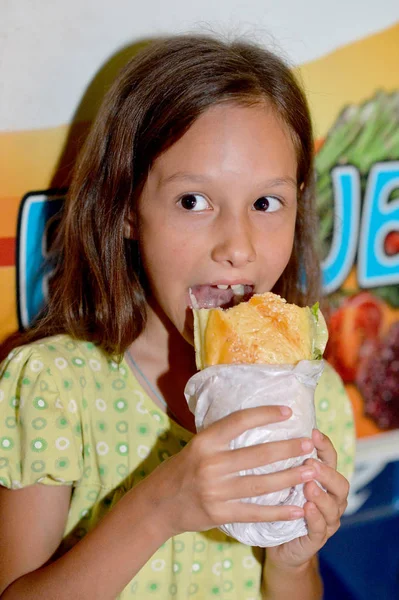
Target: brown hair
x=97 y=291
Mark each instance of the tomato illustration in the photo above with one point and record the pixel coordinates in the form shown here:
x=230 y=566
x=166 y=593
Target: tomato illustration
x=358 y=320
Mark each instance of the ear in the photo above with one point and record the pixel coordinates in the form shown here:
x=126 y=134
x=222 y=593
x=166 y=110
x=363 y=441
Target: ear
x=130 y=228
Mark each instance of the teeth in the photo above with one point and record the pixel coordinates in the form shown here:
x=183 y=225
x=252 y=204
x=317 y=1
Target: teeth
x=238 y=289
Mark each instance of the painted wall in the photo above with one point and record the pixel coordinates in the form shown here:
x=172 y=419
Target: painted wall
x=58 y=58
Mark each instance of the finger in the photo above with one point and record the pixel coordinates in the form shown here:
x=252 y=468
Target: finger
x=325 y=450
x=248 y=512
x=317 y=526
x=251 y=457
x=250 y=486
x=233 y=425
x=326 y=504
x=330 y=479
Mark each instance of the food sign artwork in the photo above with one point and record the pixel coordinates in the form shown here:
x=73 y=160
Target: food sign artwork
x=357 y=193
x=358 y=203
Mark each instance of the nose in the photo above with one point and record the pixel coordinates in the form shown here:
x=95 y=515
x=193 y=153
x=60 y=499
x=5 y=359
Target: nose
x=234 y=241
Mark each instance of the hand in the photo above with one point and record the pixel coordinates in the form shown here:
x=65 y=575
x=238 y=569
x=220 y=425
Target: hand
x=200 y=487
x=323 y=509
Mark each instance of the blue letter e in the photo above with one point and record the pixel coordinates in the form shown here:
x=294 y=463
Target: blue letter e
x=379 y=218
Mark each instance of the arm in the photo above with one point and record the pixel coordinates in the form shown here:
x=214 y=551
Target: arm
x=203 y=478
x=301 y=583
x=292 y=568
x=99 y=566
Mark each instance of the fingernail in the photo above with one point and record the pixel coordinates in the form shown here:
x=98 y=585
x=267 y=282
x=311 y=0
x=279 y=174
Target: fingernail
x=316 y=491
x=297 y=514
x=285 y=410
x=315 y=465
x=307 y=475
x=307 y=445
x=320 y=435
x=312 y=508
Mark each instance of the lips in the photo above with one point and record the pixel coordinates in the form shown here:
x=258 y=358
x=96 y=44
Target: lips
x=219 y=295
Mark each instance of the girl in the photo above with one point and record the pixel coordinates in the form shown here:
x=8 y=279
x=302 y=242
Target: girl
x=197 y=174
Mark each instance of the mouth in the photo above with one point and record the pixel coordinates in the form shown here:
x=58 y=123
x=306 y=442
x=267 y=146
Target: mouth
x=220 y=295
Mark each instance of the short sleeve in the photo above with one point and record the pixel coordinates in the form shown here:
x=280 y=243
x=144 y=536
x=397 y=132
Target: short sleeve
x=40 y=439
x=335 y=418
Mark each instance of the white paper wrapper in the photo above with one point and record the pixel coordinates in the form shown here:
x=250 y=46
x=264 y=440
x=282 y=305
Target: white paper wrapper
x=217 y=391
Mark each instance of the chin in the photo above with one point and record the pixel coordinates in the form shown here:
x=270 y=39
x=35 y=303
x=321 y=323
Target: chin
x=188 y=329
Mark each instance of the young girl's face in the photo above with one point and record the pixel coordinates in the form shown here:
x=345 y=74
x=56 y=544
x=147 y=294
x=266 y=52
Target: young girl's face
x=219 y=209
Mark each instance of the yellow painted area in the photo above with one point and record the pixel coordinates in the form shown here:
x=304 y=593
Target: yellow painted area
x=9 y=207
x=31 y=158
x=8 y=302
x=351 y=74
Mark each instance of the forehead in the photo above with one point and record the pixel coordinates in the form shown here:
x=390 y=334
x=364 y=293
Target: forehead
x=231 y=138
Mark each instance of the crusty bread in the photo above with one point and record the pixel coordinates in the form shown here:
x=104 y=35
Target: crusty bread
x=266 y=329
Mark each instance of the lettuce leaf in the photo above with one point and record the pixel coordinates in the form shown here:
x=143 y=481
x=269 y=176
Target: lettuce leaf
x=320 y=332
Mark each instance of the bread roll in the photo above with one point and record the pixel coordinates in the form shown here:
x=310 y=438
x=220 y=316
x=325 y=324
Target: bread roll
x=266 y=329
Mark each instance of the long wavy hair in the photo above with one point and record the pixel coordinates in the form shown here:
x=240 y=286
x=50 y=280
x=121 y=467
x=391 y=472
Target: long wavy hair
x=97 y=292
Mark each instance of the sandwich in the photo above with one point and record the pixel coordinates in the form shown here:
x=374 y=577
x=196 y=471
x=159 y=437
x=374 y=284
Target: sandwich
x=266 y=329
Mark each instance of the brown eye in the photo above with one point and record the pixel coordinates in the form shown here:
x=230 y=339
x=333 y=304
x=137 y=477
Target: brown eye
x=193 y=202
x=262 y=203
x=267 y=204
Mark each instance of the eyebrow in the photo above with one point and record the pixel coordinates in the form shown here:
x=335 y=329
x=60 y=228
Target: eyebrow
x=196 y=178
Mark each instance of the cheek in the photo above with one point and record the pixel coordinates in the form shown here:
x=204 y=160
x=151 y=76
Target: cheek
x=276 y=250
x=279 y=260
x=167 y=258
x=277 y=240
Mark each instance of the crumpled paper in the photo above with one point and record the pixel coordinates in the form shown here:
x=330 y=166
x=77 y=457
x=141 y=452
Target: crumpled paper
x=217 y=391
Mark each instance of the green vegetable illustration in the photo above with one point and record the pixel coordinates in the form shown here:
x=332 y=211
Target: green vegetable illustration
x=361 y=136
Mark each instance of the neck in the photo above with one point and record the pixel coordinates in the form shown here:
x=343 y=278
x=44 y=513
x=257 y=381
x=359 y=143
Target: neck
x=168 y=361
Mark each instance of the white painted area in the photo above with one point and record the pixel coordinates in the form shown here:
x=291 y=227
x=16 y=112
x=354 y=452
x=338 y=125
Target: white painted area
x=381 y=447
x=51 y=49
x=372 y=456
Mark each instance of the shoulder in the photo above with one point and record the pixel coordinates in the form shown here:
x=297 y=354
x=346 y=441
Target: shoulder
x=39 y=418
x=23 y=366
x=335 y=417
x=57 y=356
x=54 y=371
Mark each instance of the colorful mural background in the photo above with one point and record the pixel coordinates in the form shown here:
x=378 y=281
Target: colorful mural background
x=354 y=98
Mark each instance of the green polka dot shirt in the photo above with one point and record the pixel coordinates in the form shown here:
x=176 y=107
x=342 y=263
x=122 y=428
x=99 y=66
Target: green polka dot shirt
x=70 y=415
